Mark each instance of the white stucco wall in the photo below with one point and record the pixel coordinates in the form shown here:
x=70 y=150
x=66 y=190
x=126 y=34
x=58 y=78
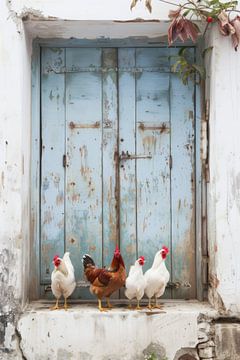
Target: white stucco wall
x=224 y=185
x=15 y=119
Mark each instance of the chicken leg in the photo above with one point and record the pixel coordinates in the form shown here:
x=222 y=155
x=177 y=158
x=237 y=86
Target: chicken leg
x=130 y=305
x=149 y=304
x=156 y=306
x=100 y=305
x=110 y=306
x=138 y=305
x=65 y=304
x=55 y=307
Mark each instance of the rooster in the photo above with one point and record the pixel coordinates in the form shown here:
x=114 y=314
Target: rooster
x=135 y=282
x=103 y=281
x=63 y=279
x=157 y=277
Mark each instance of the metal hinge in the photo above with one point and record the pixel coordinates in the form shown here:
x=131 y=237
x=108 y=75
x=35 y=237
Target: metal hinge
x=64 y=160
x=170 y=161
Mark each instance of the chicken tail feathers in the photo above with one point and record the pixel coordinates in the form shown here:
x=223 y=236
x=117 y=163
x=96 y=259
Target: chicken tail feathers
x=87 y=260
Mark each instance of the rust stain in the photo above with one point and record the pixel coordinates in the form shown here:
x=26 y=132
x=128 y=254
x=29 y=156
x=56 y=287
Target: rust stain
x=56 y=180
x=213 y=281
x=47 y=218
x=60 y=225
x=149 y=143
x=163 y=128
x=75 y=197
x=59 y=199
x=130 y=249
x=2 y=179
x=92 y=248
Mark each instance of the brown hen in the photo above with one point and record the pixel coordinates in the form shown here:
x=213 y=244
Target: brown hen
x=104 y=282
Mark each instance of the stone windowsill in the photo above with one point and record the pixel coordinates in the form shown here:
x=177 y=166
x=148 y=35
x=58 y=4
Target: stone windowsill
x=85 y=333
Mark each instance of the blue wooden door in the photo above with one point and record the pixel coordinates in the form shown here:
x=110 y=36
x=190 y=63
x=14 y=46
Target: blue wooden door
x=117 y=162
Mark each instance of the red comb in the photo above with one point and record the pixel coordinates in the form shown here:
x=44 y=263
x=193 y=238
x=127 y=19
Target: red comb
x=142 y=257
x=165 y=249
x=55 y=257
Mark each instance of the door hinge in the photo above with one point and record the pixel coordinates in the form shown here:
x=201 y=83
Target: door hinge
x=64 y=160
x=170 y=161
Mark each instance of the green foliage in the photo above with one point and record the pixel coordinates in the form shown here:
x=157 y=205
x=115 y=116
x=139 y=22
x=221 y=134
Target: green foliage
x=187 y=69
x=153 y=356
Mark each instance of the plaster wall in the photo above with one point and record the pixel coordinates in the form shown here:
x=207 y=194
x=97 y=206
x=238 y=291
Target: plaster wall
x=224 y=163
x=54 y=19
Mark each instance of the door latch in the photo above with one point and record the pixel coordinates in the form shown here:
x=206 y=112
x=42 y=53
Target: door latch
x=126 y=156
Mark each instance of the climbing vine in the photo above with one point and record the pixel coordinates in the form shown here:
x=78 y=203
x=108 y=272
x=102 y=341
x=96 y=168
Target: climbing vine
x=183 y=19
x=185 y=22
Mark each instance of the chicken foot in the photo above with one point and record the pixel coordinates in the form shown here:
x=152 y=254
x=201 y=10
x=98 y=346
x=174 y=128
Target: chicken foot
x=149 y=304
x=100 y=306
x=138 y=305
x=156 y=306
x=130 y=305
x=55 y=307
x=110 y=306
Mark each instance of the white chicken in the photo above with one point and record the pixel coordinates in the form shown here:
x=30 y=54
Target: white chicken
x=63 y=279
x=157 y=277
x=135 y=282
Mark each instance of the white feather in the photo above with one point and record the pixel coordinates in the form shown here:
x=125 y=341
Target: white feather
x=156 y=277
x=63 y=279
x=135 y=282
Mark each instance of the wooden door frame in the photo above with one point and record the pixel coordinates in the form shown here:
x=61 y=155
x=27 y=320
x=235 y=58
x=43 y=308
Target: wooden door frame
x=200 y=190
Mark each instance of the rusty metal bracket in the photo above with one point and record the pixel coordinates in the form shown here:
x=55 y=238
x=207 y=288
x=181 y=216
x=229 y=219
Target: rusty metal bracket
x=178 y=284
x=95 y=125
x=80 y=284
x=162 y=127
x=127 y=156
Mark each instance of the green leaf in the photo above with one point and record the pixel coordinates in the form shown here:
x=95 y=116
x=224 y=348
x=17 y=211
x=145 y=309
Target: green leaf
x=213 y=2
x=182 y=51
x=186 y=12
x=200 y=69
x=206 y=51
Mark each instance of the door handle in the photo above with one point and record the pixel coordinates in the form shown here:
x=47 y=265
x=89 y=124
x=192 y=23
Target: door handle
x=126 y=156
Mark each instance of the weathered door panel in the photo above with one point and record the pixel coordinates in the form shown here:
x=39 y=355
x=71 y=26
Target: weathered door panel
x=52 y=149
x=125 y=124
x=183 y=185
x=83 y=157
x=110 y=179
x=127 y=142
x=153 y=139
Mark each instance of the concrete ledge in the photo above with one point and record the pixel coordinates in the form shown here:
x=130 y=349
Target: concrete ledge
x=84 y=333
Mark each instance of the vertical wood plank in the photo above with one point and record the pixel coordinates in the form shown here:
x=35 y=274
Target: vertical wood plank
x=35 y=175
x=153 y=175
x=53 y=148
x=110 y=154
x=84 y=159
x=128 y=231
x=183 y=185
